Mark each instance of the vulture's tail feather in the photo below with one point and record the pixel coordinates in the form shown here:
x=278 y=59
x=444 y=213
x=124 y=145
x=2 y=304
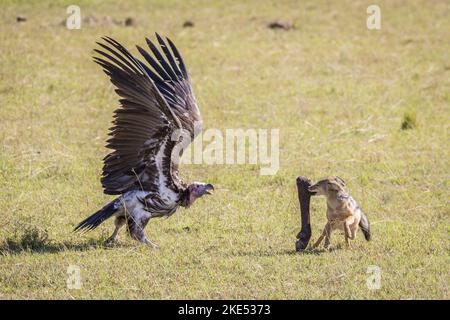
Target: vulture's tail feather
x=97 y=218
x=365 y=226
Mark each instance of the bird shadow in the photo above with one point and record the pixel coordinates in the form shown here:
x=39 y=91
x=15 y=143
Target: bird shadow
x=9 y=246
x=29 y=238
x=39 y=243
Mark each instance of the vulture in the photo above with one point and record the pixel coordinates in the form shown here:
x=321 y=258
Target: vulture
x=157 y=118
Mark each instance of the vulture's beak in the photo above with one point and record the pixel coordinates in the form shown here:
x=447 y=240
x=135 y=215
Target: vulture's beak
x=209 y=189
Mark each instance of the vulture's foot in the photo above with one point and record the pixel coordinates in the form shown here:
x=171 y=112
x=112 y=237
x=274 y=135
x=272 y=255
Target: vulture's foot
x=141 y=237
x=150 y=244
x=111 y=240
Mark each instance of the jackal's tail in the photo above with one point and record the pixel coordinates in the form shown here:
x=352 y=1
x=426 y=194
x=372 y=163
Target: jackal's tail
x=97 y=218
x=364 y=224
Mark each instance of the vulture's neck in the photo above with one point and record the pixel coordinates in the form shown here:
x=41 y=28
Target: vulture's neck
x=184 y=198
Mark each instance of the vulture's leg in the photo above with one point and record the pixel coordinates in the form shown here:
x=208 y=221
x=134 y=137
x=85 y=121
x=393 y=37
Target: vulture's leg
x=303 y=196
x=136 y=226
x=119 y=223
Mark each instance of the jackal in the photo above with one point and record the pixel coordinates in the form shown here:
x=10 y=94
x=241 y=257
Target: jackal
x=343 y=213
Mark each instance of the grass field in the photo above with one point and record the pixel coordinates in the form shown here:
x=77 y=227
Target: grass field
x=337 y=91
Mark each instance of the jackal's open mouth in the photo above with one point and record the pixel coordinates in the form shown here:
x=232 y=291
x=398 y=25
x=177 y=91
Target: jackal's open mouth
x=313 y=191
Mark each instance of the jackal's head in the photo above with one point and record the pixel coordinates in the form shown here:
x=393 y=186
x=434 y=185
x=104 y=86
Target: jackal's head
x=328 y=187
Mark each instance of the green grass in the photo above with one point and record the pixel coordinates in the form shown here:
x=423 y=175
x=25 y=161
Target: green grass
x=409 y=121
x=336 y=90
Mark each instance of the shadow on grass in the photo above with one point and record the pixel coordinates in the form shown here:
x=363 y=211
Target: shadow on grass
x=274 y=253
x=12 y=247
x=308 y=251
x=34 y=239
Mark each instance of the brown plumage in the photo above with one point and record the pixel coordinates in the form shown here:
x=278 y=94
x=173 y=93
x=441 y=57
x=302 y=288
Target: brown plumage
x=157 y=119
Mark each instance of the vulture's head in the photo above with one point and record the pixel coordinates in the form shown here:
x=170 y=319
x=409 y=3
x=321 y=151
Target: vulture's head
x=197 y=190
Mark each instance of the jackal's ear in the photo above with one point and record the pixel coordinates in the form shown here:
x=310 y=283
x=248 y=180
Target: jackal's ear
x=340 y=180
x=334 y=186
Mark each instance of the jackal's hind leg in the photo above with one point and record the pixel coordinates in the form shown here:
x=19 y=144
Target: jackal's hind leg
x=352 y=234
x=348 y=234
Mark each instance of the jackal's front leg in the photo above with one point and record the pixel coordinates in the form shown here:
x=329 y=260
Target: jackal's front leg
x=325 y=234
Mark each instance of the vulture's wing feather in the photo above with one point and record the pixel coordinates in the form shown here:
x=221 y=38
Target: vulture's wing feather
x=156 y=102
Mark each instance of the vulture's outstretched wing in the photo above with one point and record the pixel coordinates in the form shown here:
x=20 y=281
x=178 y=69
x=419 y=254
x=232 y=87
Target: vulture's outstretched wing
x=157 y=105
